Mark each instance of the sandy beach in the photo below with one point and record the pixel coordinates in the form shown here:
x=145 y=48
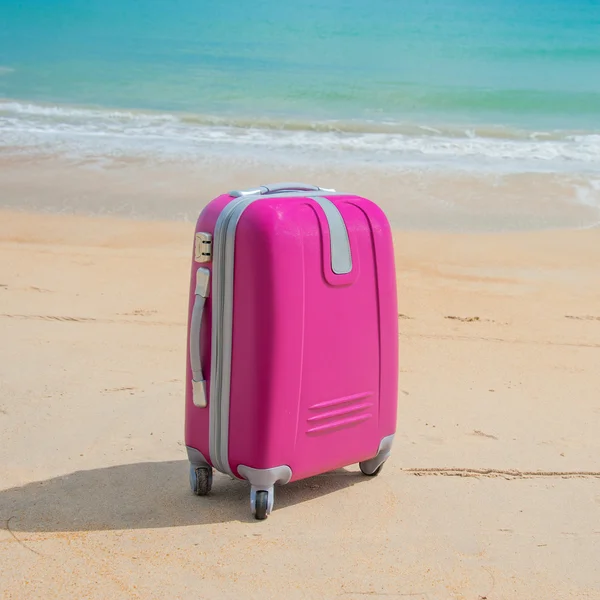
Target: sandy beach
x=492 y=490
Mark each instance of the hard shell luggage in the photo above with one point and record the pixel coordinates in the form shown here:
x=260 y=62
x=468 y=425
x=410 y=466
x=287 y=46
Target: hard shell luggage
x=292 y=364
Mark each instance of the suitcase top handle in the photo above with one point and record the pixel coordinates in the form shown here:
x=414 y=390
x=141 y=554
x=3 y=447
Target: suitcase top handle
x=274 y=188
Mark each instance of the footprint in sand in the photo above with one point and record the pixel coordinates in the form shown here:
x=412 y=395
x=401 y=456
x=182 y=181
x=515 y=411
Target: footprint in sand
x=479 y=433
x=139 y=312
x=465 y=319
x=582 y=318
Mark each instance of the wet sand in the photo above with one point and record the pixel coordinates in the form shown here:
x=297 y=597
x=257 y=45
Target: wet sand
x=430 y=199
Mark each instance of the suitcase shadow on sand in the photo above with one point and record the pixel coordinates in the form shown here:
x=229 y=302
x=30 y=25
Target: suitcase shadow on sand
x=146 y=495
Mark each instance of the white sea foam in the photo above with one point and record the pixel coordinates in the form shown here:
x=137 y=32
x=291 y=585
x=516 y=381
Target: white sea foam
x=589 y=194
x=84 y=131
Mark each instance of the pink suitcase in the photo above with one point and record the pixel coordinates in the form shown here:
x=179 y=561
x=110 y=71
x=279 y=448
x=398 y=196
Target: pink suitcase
x=292 y=368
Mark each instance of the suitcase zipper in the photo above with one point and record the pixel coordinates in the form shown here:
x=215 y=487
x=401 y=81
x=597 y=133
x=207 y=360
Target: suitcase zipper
x=223 y=260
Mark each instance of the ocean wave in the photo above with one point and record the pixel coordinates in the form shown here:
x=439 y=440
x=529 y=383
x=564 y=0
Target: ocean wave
x=98 y=130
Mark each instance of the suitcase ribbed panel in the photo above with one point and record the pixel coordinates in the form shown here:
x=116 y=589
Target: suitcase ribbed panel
x=339 y=413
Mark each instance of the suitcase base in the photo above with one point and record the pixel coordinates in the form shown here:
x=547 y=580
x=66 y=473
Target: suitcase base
x=263 y=481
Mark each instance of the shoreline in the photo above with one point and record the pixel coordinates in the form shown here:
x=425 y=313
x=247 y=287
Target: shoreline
x=413 y=199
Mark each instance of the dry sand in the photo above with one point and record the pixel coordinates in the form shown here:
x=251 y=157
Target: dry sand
x=492 y=491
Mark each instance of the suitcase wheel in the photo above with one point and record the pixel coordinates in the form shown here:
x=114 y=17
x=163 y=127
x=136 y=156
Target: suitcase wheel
x=201 y=480
x=261 y=502
x=366 y=471
x=261 y=505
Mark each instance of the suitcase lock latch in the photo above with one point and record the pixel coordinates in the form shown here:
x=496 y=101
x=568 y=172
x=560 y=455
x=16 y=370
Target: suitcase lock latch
x=203 y=247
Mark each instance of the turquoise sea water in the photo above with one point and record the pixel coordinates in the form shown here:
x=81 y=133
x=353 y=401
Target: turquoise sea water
x=500 y=82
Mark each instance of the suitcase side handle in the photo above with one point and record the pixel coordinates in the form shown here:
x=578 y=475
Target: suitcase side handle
x=198 y=379
x=274 y=188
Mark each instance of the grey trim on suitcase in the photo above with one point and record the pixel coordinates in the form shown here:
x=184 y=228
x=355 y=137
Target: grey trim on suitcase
x=220 y=442
x=222 y=307
x=196 y=457
x=341 y=255
x=385 y=449
x=220 y=462
x=263 y=479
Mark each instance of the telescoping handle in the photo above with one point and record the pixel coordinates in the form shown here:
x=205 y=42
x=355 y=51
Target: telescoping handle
x=274 y=188
x=198 y=379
